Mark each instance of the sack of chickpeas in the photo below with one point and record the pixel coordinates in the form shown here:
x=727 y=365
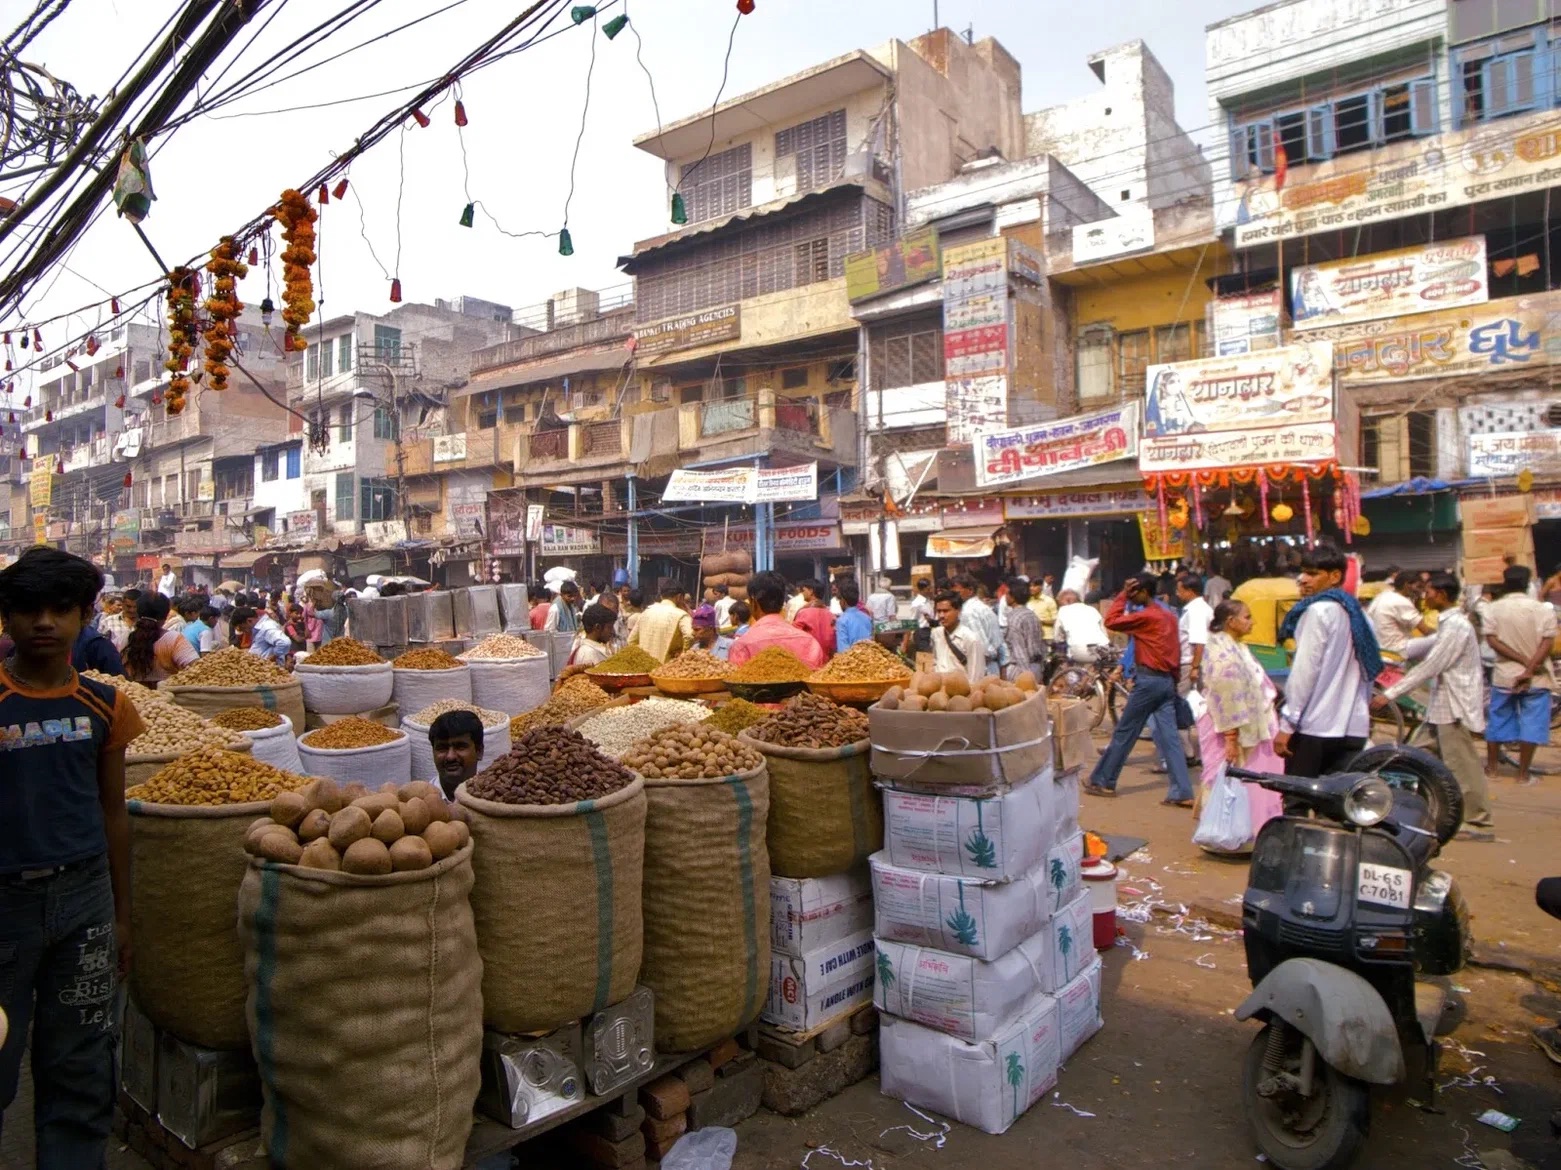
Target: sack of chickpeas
x=364 y=991
x=191 y=818
x=231 y=677
x=355 y=750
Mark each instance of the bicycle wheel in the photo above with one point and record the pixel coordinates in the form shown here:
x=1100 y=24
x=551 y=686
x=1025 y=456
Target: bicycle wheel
x=1081 y=683
x=1116 y=698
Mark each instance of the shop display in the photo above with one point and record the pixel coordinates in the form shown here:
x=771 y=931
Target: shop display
x=345 y=652
x=861 y=672
x=614 y=729
x=172 y=731
x=993 y=838
x=273 y=743
x=690 y=753
x=359 y=750
x=771 y=665
x=734 y=715
x=965 y=753
x=231 y=677
x=811 y=721
x=575 y=697
x=231 y=667
x=629 y=660
x=247 y=719
x=134 y=691
x=953 y=693
x=693 y=664
x=808 y=913
x=214 y=776
x=393 y=830
x=429 y=658
x=549 y=765
x=502 y=646
x=808 y=989
x=421 y=677
x=345 y=677
x=495 y=734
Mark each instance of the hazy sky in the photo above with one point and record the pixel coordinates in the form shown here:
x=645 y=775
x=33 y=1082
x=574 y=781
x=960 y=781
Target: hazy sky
x=525 y=113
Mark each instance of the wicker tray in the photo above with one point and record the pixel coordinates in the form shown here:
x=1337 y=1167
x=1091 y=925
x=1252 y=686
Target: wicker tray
x=853 y=693
x=684 y=687
x=765 y=692
x=618 y=682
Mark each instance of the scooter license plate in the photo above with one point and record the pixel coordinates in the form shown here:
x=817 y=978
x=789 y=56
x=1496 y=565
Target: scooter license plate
x=1383 y=885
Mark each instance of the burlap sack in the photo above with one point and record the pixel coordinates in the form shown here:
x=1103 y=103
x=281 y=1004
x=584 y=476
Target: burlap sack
x=825 y=815
x=365 y=1012
x=557 y=904
x=188 y=974
x=707 y=906
x=141 y=768
x=286 y=698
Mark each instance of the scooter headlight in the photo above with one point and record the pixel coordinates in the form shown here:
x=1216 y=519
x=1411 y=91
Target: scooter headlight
x=1368 y=802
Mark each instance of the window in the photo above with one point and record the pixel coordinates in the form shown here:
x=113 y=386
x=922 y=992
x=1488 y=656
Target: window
x=1348 y=122
x=515 y=414
x=86 y=377
x=487 y=419
x=344 y=352
x=294 y=459
x=796 y=378
x=378 y=499
x=1132 y=361
x=1370 y=442
x=720 y=185
x=344 y=424
x=326 y=353
x=344 y=494
x=812 y=261
x=385 y=423
x=906 y=354
x=1094 y=367
x=268 y=466
x=819 y=146
x=1173 y=343
x=1421 y=433
x=387 y=343
x=312 y=368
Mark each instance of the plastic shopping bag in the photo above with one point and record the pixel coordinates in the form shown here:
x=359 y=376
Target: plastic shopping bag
x=1226 y=821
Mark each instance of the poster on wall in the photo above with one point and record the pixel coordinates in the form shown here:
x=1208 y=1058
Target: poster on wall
x=1020 y=453
x=911 y=259
x=1447 y=274
x=564 y=540
x=975 y=404
x=1245 y=323
x=1289 y=386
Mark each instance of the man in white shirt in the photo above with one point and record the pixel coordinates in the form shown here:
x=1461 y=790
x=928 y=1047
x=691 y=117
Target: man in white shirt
x=882 y=605
x=723 y=606
x=1521 y=631
x=1193 y=625
x=1081 y=626
x=1395 y=614
x=1216 y=589
x=561 y=614
x=168 y=584
x=979 y=616
x=955 y=645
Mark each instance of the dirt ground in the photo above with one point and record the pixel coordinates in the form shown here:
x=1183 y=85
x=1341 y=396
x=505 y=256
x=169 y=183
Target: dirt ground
x=1162 y=1079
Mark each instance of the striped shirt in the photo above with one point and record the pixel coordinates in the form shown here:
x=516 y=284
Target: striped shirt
x=1452 y=667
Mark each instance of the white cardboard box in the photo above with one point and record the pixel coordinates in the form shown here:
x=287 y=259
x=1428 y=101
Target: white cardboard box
x=1066 y=805
x=998 y=837
x=963 y=915
x=974 y=999
x=807 y=990
x=987 y=1085
x=808 y=913
x=1079 y=1005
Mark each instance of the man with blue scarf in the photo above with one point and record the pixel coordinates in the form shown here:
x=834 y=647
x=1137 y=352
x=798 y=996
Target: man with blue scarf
x=1326 y=713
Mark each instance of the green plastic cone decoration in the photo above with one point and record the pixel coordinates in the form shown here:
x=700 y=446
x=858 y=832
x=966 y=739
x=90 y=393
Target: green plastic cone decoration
x=581 y=13
x=467 y=214
x=679 y=208
x=615 y=26
x=566 y=244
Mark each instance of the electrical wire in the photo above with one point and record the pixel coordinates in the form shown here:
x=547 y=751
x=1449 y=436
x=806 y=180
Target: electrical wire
x=726 y=69
x=585 y=111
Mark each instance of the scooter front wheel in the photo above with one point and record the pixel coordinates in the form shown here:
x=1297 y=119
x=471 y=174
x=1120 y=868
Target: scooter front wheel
x=1322 y=1131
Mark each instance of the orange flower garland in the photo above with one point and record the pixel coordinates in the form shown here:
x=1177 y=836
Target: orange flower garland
x=181 y=335
x=297 y=220
x=222 y=309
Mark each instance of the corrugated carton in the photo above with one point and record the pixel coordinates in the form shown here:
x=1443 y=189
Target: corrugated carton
x=1079 y=1004
x=808 y=913
x=806 y=991
x=987 y=1085
x=996 y=837
x=972 y=754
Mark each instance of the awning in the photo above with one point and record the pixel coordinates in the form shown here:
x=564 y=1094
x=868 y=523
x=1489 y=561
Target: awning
x=245 y=560
x=961 y=542
x=575 y=363
x=1419 y=486
x=705 y=227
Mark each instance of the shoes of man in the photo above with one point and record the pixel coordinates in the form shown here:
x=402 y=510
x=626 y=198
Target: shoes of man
x=1099 y=790
x=1177 y=803
x=1549 y=1039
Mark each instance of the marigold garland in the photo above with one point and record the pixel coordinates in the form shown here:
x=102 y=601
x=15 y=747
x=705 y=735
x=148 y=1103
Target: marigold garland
x=222 y=309
x=297 y=219
x=182 y=284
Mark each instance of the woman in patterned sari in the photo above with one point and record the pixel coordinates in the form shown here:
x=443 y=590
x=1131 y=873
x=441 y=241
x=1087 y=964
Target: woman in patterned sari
x=1239 y=722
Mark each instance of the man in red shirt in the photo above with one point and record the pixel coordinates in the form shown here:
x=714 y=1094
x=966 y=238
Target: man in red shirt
x=815 y=618
x=766 y=601
x=1158 y=660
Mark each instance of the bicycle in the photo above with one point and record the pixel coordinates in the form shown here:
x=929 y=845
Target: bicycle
x=1100 y=685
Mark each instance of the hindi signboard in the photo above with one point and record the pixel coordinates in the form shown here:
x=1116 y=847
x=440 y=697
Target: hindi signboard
x=40 y=484
x=1245 y=322
x=1133 y=232
x=450 y=448
x=1509 y=452
x=975 y=404
x=304 y=524
x=1020 y=453
x=1289 y=386
x=975 y=309
x=689 y=332
x=743 y=485
x=1122 y=501
x=911 y=259
x=1442 y=275
x=1311 y=442
x=468 y=519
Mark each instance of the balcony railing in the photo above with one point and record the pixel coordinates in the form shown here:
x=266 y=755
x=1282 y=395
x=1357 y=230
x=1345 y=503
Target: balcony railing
x=550 y=444
x=726 y=416
x=602 y=438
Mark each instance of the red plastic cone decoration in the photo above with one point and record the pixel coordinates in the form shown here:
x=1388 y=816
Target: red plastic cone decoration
x=21 y=452
x=460 y=112
x=8 y=337
x=12 y=418
x=92 y=345
x=48 y=416
x=119 y=403
x=395 y=291
x=8 y=365
x=119 y=370
x=59 y=467
x=37 y=339
x=127 y=479
x=420 y=118
x=254 y=257
x=28 y=402
x=340 y=190
x=113 y=305
x=157 y=397
x=745 y=7
x=325 y=194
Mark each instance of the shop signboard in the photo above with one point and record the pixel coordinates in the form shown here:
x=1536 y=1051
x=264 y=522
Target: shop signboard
x=975 y=404
x=468 y=519
x=980 y=350
x=1277 y=388
x=689 y=332
x=791 y=536
x=385 y=533
x=1133 y=232
x=1312 y=442
x=40 y=484
x=1056 y=505
x=126 y=529
x=975 y=269
x=1160 y=544
x=534 y=516
x=564 y=540
x=1245 y=323
x=1547 y=503
x=1020 y=453
x=1447 y=274
x=1485 y=161
x=1509 y=452
x=911 y=259
x=1514 y=333
x=450 y=448
x=975 y=309
x=507 y=513
x=743 y=485
x=40 y=527
x=987 y=514
x=305 y=524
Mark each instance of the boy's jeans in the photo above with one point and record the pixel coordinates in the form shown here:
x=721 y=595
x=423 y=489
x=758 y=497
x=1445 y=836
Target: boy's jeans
x=57 y=947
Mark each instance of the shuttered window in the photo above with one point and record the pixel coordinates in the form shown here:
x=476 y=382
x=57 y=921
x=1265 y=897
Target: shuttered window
x=819 y=147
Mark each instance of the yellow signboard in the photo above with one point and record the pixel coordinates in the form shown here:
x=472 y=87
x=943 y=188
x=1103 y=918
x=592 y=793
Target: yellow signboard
x=1167 y=544
x=909 y=260
x=40 y=527
x=40 y=485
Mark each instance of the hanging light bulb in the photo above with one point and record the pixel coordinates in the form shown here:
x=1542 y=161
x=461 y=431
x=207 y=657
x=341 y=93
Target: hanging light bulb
x=468 y=213
x=340 y=189
x=679 y=208
x=566 y=244
x=267 y=311
x=421 y=119
x=460 y=112
x=395 y=291
x=615 y=26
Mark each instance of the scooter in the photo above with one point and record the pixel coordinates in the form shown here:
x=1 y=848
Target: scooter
x=1342 y=916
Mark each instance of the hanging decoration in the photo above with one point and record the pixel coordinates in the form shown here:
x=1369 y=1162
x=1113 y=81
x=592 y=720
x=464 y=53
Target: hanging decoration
x=340 y=190
x=745 y=7
x=566 y=244
x=460 y=112
x=1306 y=507
x=297 y=218
x=133 y=193
x=395 y=291
x=1282 y=513
x=182 y=285
x=422 y=119
x=222 y=309
x=615 y=26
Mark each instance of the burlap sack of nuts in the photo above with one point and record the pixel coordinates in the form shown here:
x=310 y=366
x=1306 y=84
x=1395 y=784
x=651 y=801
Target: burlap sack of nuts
x=365 y=1009
x=557 y=904
x=139 y=768
x=825 y=814
x=188 y=974
x=707 y=906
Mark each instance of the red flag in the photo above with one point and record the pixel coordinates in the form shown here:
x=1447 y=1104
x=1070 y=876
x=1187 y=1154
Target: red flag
x=1281 y=167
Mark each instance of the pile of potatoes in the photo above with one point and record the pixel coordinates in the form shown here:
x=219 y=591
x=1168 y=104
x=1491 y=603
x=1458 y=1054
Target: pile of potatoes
x=347 y=828
x=953 y=692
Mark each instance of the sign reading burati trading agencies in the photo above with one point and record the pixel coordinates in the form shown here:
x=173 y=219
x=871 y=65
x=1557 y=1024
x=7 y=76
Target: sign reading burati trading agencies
x=1443 y=275
x=689 y=332
x=1459 y=167
x=1021 y=453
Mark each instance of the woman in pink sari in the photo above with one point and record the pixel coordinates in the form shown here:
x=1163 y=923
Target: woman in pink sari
x=1239 y=721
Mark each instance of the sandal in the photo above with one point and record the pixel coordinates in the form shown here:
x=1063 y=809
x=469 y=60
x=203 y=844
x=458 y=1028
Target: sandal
x=1099 y=790
x=1168 y=802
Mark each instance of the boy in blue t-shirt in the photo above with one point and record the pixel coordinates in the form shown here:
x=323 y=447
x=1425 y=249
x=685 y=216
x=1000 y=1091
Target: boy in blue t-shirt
x=64 y=859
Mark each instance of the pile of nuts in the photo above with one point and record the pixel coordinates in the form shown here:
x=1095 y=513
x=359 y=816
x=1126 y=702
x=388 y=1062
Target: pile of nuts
x=231 y=667
x=502 y=646
x=690 y=753
x=773 y=665
x=330 y=827
x=812 y=721
x=215 y=777
x=428 y=714
x=351 y=732
x=173 y=731
x=614 y=729
x=549 y=765
x=574 y=697
x=431 y=658
x=629 y=660
x=694 y=663
x=736 y=714
x=865 y=661
x=952 y=692
x=345 y=652
x=247 y=719
x=134 y=691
